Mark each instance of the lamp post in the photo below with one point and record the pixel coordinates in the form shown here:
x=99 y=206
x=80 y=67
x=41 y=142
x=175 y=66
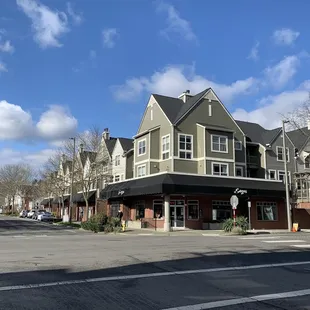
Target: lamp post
x=72 y=178
x=287 y=194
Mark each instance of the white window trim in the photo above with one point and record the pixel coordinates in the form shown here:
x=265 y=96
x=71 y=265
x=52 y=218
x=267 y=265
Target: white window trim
x=219 y=151
x=221 y=164
x=162 y=144
x=151 y=113
x=141 y=166
x=283 y=172
x=275 y=174
x=140 y=141
x=288 y=153
x=187 y=151
x=119 y=160
x=305 y=162
x=210 y=110
x=242 y=169
x=237 y=142
x=117 y=175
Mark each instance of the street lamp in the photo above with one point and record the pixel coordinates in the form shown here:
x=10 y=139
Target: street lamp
x=72 y=178
x=287 y=194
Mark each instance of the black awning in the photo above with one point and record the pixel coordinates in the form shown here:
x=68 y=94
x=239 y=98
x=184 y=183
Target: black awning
x=174 y=183
x=46 y=201
x=191 y=184
x=79 y=197
x=58 y=199
x=135 y=187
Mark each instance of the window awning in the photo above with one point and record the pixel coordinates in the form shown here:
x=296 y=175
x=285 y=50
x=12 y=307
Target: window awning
x=186 y=184
x=46 y=201
x=59 y=199
x=79 y=197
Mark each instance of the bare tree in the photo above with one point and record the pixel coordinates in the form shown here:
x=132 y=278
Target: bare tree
x=299 y=117
x=13 y=178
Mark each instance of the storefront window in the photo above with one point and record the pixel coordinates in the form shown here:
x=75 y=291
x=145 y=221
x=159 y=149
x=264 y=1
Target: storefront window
x=267 y=211
x=221 y=210
x=114 y=209
x=140 y=210
x=158 y=209
x=193 y=209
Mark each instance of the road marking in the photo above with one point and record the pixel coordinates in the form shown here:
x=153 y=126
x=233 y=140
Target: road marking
x=258 y=238
x=211 y=235
x=145 y=234
x=244 y=300
x=306 y=246
x=148 y=275
x=283 y=241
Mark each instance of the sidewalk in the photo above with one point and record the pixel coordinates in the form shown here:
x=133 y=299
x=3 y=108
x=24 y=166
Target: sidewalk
x=152 y=232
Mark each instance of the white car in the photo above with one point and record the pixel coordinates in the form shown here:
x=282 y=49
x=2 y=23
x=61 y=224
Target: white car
x=31 y=213
x=45 y=216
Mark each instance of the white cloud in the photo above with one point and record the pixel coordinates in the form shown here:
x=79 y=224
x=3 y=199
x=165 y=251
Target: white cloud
x=6 y=47
x=173 y=80
x=92 y=54
x=254 y=52
x=176 y=24
x=16 y=124
x=285 y=36
x=270 y=110
x=48 y=25
x=3 y=67
x=35 y=158
x=279 y=75
x=56 y=123
x=77 y=18
x=109 y=36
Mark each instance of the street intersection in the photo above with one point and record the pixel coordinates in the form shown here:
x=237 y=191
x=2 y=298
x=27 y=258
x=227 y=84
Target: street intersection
x=43 y=266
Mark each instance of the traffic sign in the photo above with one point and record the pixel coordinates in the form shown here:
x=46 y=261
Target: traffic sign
x=234 y=200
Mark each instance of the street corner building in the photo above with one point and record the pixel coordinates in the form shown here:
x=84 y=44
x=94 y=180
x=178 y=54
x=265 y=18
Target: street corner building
x=179 y=201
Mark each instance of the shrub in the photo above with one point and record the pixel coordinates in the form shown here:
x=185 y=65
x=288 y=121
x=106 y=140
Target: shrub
x=241 y=224
x=113 y=225
x=96 y=223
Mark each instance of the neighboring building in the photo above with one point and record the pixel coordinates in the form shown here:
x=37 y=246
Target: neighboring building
x=190 y=156
x=122 y=159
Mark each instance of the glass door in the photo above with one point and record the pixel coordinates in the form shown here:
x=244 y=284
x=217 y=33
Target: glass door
x=179 y=218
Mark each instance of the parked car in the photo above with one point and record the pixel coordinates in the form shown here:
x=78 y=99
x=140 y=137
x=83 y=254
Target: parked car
x=23 y=213
x=36 y=213
x=31 y=213
x=45 y=217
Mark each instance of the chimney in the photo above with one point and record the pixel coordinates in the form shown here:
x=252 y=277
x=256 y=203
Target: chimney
x=106 y=134
x=81 y=148
x=185 y=95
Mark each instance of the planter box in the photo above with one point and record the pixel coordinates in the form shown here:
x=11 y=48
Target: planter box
x=134 y=224
x=212 y=226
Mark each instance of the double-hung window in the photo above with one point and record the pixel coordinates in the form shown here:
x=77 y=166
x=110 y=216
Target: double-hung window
x=220 y=169
x=186 y=146
x=141 y=147
x=280 y=154
x=165 y=147
x=117 y=160
x=141 y=171
x=219 y=144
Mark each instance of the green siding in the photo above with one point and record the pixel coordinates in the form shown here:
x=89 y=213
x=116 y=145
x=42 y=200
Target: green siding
x=129 y=166
x=186 y=166
x=210 y=153
x=155 y=144
x=146 y=155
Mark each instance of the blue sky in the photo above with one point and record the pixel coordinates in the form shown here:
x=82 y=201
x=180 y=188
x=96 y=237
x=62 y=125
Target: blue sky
x=66 y=66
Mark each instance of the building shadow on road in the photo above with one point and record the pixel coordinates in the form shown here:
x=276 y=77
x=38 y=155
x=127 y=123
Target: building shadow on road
x=200 y=261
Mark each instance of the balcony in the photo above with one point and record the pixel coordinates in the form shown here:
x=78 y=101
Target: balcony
x=253 y=161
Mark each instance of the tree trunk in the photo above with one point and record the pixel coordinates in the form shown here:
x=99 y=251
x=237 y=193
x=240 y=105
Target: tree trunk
x=87 y=209
x=13 y=201
x=63 y=206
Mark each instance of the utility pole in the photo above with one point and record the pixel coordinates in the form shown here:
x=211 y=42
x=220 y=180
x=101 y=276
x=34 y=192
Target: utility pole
x=287 y=194
x=72 y=182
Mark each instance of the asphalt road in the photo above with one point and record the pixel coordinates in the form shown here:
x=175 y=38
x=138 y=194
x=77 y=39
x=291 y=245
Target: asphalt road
x=43 y=267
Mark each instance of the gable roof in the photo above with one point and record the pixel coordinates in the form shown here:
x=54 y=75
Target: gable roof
x=110 y=143
x=257 y=133
x=299 y=137
x=126 y=143
x=175 y=108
